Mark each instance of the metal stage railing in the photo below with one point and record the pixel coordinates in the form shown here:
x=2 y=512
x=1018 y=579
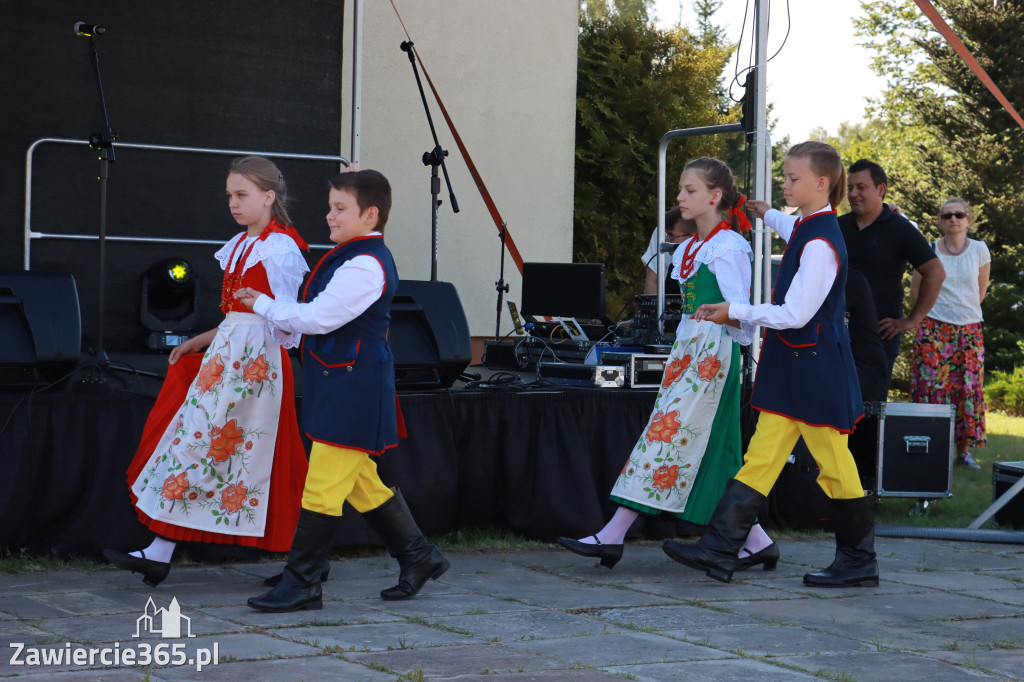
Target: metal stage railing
x=30 y=234
x=762 y=234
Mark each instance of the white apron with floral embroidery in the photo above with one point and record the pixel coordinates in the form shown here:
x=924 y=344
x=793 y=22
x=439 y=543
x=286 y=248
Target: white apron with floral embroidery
x=663 y=465
x=211 y=469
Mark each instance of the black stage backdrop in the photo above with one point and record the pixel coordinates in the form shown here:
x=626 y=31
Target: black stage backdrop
x=253 y=75
x=539 y=463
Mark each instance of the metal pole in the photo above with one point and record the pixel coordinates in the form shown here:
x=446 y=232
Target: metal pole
x=357 y=78
x=762 y=181
x=662 y=171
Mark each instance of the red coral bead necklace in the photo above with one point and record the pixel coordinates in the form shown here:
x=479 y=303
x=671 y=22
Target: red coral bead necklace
x=688 y=260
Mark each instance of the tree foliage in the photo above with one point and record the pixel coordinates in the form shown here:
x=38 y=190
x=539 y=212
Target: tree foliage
x=636 y=82
x=940 y=133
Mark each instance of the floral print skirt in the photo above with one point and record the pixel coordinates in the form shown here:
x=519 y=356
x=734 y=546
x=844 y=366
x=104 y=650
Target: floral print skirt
x=948 y=368
x=210 y=467
x=691 y=445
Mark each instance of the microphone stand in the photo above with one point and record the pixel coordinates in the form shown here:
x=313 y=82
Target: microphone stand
x=433 y=158
x=501 y=286
x=104 y=142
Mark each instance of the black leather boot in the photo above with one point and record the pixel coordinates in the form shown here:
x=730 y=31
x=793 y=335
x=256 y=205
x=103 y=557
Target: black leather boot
x=275 y=579
x=418 y=560
x=715 y=553
x=855 y=564
x=300 y=583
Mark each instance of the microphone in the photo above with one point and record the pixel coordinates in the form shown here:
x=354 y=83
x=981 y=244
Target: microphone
x=90 y=30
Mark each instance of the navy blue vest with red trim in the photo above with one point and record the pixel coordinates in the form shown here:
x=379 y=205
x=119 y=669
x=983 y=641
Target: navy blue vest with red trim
x=349 y=374
x=808 y=373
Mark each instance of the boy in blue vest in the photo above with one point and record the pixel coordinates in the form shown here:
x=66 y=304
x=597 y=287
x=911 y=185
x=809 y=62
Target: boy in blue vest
x=349 y=408
x=806 y=383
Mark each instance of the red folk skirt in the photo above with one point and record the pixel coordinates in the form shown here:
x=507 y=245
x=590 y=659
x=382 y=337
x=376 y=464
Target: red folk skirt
x=288 y=473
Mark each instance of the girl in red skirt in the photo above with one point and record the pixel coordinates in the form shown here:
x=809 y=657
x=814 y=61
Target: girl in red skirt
x=221 y=459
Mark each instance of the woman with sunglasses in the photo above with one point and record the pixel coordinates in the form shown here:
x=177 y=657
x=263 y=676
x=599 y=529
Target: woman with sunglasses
x=948 y=365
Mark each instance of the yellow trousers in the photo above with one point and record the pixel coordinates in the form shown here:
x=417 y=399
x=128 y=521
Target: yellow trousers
x=773 y=442
x=337 y=475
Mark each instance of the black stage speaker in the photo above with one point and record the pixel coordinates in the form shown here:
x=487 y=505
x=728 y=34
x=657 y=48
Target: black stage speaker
x=40 y=325
x=429 y=335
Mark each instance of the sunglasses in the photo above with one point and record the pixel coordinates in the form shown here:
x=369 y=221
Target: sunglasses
x=959 y=215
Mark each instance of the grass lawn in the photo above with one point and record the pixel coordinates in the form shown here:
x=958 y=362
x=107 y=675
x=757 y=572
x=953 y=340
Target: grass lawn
x=972 y=488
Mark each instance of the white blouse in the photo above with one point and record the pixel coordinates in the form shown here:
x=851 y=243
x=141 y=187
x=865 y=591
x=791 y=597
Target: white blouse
x=284 y=265
x=728 y=256
x=959 y=300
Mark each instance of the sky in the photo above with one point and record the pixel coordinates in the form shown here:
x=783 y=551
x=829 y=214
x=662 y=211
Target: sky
x=822 y=76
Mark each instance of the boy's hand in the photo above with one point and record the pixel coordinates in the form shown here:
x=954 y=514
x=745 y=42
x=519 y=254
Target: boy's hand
x=713 y=312
x=757 y=208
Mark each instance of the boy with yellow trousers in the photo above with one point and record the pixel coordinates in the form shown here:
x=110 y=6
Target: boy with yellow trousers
x=349 y=405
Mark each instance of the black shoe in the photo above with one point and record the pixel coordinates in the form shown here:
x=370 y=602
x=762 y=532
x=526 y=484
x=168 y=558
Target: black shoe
x=608 y=554
x=715 y=553
x=418 y=560
x=273 y=580
x=153 y=572
x=769 y=556
x=299 y=587
x=855 y=564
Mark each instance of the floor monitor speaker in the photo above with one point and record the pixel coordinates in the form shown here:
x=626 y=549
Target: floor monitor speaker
x=40 y=325
x=429 y=335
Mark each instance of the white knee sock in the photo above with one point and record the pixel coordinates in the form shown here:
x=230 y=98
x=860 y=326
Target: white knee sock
x=756 y=540
x=161 y=550
x=614 y=532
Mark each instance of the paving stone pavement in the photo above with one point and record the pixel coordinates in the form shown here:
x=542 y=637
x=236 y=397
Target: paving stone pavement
x=944 y=611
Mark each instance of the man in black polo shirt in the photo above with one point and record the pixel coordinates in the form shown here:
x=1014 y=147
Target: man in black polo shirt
x=880 y=243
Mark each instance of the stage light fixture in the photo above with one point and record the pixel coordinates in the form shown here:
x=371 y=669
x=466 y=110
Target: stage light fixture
x=179 y=271
x=169 y=303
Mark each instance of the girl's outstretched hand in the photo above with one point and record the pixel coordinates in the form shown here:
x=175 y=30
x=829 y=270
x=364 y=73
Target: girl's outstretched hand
x=185 y=348
x=713 y=312
x=757 y=208
x=247 y=296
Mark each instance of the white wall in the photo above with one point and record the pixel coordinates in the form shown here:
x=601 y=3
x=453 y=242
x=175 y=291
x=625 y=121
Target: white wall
x=506 y=72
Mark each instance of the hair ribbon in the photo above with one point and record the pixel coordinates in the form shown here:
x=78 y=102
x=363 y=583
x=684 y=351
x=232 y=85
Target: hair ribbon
x=737 y=212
